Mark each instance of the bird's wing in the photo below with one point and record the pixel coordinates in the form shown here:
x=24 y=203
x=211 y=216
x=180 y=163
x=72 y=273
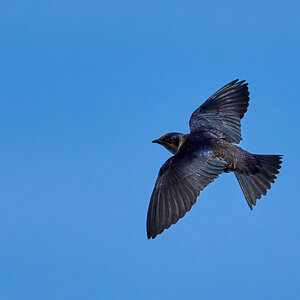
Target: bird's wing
x=220 y=114
x=177 y=187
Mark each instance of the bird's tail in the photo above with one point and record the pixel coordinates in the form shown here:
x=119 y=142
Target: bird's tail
x=257 y=184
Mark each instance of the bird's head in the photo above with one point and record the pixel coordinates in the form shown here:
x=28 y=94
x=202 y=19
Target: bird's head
x=171 y=141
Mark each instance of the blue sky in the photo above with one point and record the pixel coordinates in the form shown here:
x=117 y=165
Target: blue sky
x=85 y=86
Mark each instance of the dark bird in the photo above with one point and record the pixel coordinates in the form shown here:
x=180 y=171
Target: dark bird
x=203 y=154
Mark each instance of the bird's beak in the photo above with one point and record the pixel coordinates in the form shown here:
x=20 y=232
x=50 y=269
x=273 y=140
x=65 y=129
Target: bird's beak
x=156 y=141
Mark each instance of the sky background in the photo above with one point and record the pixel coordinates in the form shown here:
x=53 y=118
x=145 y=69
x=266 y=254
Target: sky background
x=85 y=86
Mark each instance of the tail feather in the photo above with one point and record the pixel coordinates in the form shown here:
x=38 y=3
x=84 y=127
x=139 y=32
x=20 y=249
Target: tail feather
x=256 y=185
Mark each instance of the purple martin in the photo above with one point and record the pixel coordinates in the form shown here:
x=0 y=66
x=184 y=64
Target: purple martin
x=203 y=154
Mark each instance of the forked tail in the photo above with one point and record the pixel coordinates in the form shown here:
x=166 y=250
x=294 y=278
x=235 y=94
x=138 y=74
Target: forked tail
x=255 y=185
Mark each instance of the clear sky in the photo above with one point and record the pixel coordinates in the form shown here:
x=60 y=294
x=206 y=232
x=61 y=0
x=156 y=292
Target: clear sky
x=85 y=86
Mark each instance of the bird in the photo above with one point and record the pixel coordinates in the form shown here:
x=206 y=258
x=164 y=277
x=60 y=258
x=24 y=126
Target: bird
x=200 y=156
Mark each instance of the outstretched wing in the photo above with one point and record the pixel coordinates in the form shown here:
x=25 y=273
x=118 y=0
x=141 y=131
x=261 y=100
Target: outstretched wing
x=177 y=187
x=221 y=114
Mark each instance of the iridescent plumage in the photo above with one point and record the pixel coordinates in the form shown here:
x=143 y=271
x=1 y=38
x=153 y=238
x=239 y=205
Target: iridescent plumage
x=203 y=154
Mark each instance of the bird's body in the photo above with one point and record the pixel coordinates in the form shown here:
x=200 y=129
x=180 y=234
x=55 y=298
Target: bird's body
x=203 y=154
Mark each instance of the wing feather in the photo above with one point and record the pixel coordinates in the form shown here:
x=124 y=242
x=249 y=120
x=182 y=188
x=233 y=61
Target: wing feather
x=177 y=187
x=221 y=114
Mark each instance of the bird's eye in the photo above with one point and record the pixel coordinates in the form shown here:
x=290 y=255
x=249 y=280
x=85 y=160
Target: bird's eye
x=171 y=139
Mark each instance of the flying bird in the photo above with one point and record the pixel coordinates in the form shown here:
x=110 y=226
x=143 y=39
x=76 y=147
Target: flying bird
x=206 y=152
